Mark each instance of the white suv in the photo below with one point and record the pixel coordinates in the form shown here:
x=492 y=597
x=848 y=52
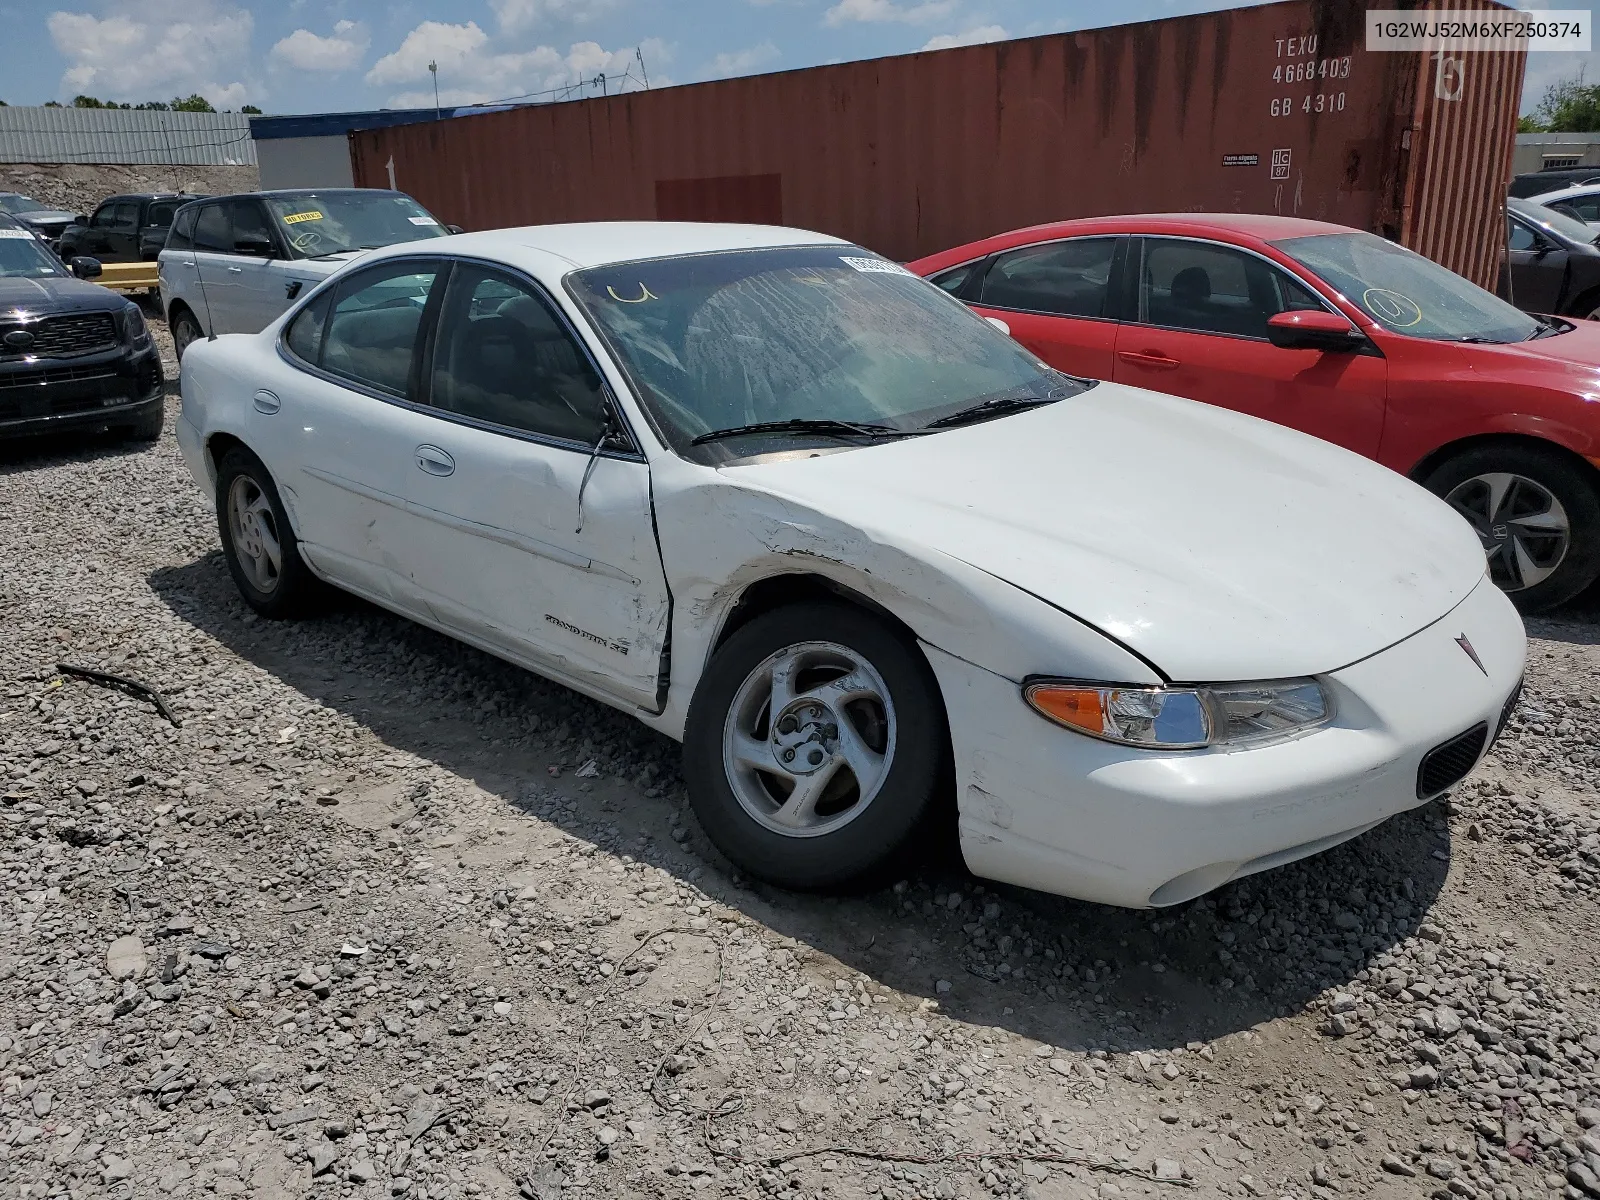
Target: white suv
x=232 y=264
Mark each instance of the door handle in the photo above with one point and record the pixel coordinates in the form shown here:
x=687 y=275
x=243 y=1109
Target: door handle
x=435 y=461
x=236 y=270
x=1148 y=358
x=266 y=402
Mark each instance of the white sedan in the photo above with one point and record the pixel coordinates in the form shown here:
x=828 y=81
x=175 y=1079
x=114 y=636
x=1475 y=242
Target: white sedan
x=862 y=554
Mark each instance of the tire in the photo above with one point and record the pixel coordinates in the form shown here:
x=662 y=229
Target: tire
x=148 y=427
x=185 y=331
x=251 y=521
x=1537 y=513
x=882 y=748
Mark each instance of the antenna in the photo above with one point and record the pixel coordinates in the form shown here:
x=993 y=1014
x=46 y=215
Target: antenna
x=638 y=52
x=200 y=278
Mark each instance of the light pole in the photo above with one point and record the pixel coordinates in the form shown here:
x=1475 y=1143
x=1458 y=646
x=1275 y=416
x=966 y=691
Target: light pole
x=433 y=69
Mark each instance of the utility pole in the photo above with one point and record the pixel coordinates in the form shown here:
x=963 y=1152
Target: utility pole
x=433 y=69
x=638 y=52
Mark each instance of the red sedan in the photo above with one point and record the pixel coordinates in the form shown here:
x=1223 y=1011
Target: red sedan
x=1335 y=332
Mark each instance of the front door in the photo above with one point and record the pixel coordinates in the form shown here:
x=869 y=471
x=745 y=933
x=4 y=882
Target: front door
x=510 y=545
x=255 y=280
x=1538 y=269
x=1055 y=297
x=1202 y=333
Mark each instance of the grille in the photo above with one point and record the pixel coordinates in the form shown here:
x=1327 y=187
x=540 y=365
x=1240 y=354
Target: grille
x=1448 y=763
x=62 y=337
x=58 y=390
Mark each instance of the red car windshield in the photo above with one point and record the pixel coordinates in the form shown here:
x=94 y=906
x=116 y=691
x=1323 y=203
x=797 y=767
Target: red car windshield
x=1406 y=293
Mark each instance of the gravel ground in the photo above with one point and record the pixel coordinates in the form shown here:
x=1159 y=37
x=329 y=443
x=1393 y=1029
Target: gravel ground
x=79 y=187
x=385 y=917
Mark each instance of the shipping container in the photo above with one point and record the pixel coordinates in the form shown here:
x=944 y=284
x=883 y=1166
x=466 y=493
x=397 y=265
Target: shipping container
x=1276 y=109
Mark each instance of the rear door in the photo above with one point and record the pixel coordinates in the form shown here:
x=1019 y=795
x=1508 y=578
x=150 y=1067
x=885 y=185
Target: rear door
x=155 y=226
x=220 y=301
x=1056 y=297
x=1201 y=332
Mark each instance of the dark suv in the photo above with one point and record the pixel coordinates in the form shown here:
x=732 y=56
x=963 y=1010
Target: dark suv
x=1537 y=183
x=125 y=228
x=73 y=355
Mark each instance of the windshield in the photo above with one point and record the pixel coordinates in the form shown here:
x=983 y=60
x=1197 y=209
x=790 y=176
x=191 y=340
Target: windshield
x=1559 y=223
x=21 y=204
x=318 y=223
x=1406 y=293
x=23 y=256
x=812 y=333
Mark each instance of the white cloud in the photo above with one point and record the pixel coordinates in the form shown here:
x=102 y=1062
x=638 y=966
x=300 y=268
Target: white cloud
x=157 y=49
x=340 y=51
x=471 y=71
x=742 y=62
x=972 y=37
x=520 y=16
x=882 y=11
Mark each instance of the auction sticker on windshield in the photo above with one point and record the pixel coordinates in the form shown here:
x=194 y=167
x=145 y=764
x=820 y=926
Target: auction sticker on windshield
x=871 y=265
x=21 y=234
x=422 y=220
x=293 y=218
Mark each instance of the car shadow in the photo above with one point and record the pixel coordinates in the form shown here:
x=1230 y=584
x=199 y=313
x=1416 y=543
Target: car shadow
x=1073 y=974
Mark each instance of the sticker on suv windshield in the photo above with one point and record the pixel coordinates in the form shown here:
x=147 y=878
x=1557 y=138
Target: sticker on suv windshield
x=422 y=220
x=874 y=265
x=295 y=218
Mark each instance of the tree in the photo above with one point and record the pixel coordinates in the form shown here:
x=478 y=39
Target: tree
x=244 y=108
x=1568 y=106
x=195 y=102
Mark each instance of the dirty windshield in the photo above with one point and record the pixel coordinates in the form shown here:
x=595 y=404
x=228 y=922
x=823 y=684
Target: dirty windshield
x=318 y=223
x=811 y=335
x=23 y=256
x=1406 y=293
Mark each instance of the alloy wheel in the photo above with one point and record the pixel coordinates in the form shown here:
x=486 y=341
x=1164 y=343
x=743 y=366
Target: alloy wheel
x=1523 y=527
x=809 y=739
x=255 y=533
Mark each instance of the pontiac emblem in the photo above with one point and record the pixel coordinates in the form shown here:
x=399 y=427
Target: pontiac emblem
x=1472 y=654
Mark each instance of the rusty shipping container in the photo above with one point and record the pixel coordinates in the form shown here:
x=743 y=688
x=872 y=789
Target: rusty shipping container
x=1277 y=109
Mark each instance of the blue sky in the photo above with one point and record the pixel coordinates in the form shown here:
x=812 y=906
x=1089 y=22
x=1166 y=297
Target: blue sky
x=320 y=55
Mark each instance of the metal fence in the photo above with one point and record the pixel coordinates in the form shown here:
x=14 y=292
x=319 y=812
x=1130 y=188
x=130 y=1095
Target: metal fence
x=120 y=135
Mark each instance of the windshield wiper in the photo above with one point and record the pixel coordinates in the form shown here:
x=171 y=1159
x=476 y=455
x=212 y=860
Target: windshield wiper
x=996 y=407
x=1546 y=328
x=823 y=425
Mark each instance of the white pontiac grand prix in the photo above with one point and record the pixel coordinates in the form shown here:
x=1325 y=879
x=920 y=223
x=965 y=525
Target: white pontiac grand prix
x=854 y=546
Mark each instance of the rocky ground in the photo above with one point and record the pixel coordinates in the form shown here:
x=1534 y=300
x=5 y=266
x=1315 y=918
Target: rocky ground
x=376 y=915
x=79 y=187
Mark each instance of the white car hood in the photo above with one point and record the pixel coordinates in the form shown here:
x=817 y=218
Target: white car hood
x=1216 y=546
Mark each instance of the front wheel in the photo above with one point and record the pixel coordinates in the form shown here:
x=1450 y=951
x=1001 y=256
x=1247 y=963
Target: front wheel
x=185 y=332
x=815 y=747
x=258 y=542
x=1537 y=513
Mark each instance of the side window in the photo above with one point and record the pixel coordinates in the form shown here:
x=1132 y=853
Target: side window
x=304 y=338
x=1519 y=236
x=249 y=222
x=1292 y=295
x=502 y=356
x=104 y=216
x=1068 y=279
x=182 y=235
x=212 y=231
x=955 y=279
x=1587 y=207
x=372 y=331
x=1206 y=288
x=125 y=217
x=159 y=214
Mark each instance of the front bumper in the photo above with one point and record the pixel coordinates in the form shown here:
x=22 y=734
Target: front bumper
x=47 y=395
x=1049 y=809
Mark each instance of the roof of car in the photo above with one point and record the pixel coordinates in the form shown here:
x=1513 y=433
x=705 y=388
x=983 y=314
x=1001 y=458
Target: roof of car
x=153 y=196
x=1576 y=189
x=598 y=243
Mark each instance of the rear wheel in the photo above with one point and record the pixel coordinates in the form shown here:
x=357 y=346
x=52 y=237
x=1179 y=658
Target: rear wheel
x=185 y=330
x=1537 y=513
x=257 y=540
x=815 y=747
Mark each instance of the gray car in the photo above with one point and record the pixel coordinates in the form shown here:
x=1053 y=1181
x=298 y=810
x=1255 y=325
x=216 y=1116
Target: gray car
x=47 y=222
x=1553 y=260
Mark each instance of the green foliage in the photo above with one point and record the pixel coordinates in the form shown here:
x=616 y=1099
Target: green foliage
x=244 y=108
x=192 y=103
x=1568 y=106
x=195 y=102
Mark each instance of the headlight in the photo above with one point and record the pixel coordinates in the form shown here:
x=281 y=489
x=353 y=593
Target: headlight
x=134 y=330
x=1181 y=718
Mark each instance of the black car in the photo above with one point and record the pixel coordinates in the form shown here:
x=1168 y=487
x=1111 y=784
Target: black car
x=47 y=222
x=1554 y=261
x=129 y=228
x=1536 y=183
x=72 y=354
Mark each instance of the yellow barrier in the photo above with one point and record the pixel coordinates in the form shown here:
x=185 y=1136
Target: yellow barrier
x=129 y=276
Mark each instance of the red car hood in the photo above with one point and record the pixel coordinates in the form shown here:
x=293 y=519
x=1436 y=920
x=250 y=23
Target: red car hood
x=1572 y=357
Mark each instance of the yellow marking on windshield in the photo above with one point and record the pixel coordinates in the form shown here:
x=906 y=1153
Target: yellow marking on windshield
x=294 y=218
x=644 y=294
x=1392 y=308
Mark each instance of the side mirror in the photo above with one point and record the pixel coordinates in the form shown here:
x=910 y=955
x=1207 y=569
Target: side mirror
x=255 y=244
x=82 y=218
x=1313 y=329
x=86 y=268
x=454 y=229
x=1000 y=325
